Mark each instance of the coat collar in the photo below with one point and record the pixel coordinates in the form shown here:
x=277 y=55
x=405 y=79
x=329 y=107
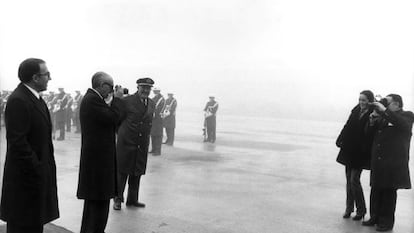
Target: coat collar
x=39 y=104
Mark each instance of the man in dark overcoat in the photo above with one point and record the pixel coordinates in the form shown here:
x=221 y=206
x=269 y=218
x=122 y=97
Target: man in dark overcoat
x=157 y=128
x=29 y=193
x=210 y=112
x=389 y=163
x=169 y=118
x=100 y=115
x=133 y=142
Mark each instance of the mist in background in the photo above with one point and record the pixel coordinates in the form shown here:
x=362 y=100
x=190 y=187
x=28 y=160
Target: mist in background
x=286 y=59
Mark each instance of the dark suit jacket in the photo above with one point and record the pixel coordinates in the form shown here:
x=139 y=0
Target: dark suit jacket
x=390 y=151
x=29 y=193
x=97 y=170
x=133 y=136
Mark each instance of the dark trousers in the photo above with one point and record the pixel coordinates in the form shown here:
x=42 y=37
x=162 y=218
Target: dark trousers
x=133 y=187
x=69 y=113
x=95 y=216
x=170 y=135
x=354 y=192
x=382 y=207
x=76 y=121
x=61 y=127
x=15 y=228
x=211 y=128
x=156 y=142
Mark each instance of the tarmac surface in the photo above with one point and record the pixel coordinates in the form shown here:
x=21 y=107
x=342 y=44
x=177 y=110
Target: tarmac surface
x=246 y=183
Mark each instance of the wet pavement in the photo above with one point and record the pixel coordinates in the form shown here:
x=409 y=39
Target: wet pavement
x=262 y=181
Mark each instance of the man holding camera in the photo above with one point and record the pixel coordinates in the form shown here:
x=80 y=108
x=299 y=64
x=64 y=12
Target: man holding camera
x=391 y=127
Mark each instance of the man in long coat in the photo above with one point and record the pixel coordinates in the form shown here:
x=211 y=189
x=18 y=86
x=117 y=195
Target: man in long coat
x=99 y=118
x=169 y=118
x=157 y=128
x=389 y=163
x=133 y=142
x=29 y=194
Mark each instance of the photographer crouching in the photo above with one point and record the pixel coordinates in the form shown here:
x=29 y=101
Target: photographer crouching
x=391 y=128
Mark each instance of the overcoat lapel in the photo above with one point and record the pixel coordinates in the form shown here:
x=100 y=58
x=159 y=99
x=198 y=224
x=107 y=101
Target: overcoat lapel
x=40 y=105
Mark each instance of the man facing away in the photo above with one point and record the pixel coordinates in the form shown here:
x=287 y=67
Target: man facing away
x=157 y=128
x=169 y=118
x=133 y=142
x=210 y=111
x=100 y=115
x=389 y=162
x=29 y=194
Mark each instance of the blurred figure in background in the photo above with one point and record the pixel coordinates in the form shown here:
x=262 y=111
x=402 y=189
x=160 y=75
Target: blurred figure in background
x=60 y=119
x=29 y=193
x=355 y=153
x=210 y=112
x=157 y=128
x=69 y=112
x=168 y=116
x=76 y=106
x=391 y=127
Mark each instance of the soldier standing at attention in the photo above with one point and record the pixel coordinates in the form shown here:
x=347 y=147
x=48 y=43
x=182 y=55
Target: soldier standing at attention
x=169 y=118
x=157 y=129
x=210 y=112
x=133 y=142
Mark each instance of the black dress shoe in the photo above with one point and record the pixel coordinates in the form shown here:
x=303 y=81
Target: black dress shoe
x=383 y=228
x=370 y=222
x=117 y=205
x=358 y=217
x=347 y=215
x=136 y=204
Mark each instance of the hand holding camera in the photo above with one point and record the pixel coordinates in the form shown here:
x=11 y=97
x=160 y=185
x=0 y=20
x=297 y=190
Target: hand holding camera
x=380 y=105
x=120 y=91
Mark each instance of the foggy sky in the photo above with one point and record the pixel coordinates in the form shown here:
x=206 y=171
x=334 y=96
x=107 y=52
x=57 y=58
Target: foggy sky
x=285 y=58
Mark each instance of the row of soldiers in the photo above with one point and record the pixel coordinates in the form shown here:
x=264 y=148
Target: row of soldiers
x=64 y=111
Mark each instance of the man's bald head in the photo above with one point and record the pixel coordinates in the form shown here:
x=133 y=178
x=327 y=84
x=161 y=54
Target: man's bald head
x=100 y=78
x=103 y=83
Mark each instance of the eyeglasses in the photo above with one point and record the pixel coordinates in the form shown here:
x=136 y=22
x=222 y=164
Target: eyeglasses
x=45 y=74
x=110 y=85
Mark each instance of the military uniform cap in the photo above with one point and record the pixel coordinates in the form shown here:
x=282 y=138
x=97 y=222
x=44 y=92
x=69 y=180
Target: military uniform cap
x=145 y=82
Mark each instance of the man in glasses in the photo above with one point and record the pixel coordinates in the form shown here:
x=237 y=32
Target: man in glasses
x=133 y=142
x=29 y=194
x=100 y=114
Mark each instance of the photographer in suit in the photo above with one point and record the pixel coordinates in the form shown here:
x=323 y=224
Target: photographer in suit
x=391 y=127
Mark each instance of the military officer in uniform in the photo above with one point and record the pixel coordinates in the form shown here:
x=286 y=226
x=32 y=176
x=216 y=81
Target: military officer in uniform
x=157 y=129
x=133 y=142
x=210 y=112
x=169 y=118
x=389 y=161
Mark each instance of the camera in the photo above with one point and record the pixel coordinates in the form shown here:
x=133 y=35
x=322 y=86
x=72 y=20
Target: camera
x=125 y=91
x=384 y=102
